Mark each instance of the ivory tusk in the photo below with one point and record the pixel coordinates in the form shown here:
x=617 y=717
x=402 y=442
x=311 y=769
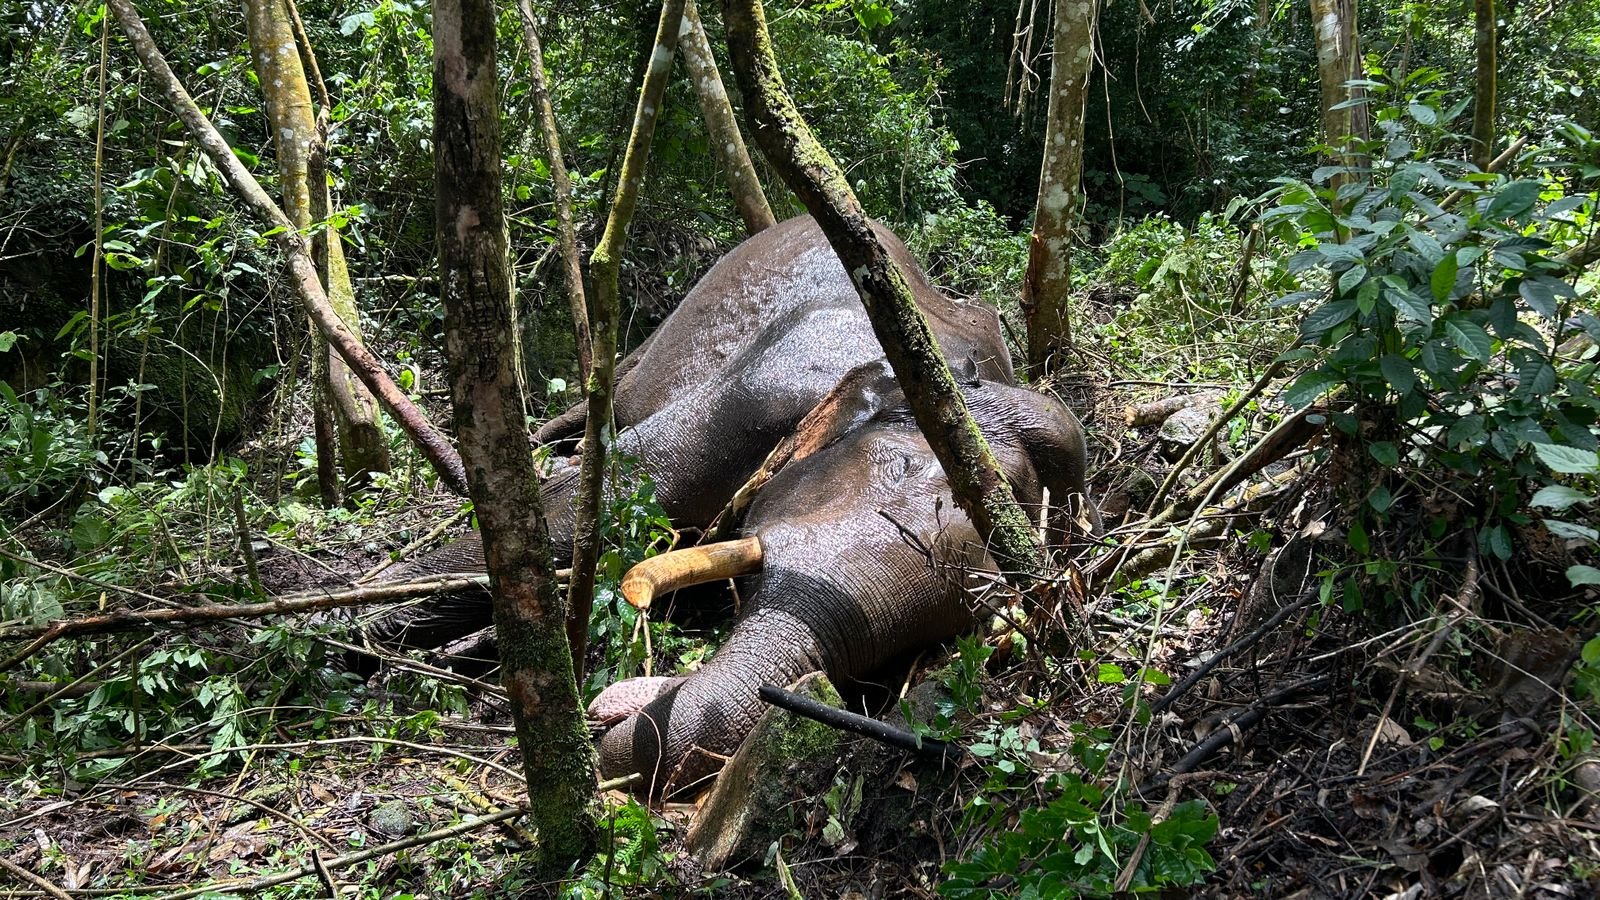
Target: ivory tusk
x=694 y=565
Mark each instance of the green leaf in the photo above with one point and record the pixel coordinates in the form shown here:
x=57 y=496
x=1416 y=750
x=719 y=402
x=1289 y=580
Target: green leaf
x=1111 y=673
x=1444 y=277
x=1351 y=278
x=1423 y=113
x=1567 y=460
x=1308 y=387
x=1571 y=530
x=1359 y=541
x=1515 y=199
x=1558 y=497
x=1469 y=338
x=1538 y=295
x=1326 y=317
x=1411 y=306
x=1340 y=252
x=1398 y=372
x=1385 y=452
x=1380 y=499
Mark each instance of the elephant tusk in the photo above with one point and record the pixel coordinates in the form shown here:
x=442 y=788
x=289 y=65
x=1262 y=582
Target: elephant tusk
x=695 y=565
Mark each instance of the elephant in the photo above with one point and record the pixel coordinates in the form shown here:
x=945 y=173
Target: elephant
x=851 y=554
x=758 y=341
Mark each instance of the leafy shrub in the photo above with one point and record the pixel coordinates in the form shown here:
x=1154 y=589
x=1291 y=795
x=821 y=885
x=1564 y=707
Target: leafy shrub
x=1442 y=321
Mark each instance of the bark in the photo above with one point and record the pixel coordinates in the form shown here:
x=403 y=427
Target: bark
x=605 y=269
x=980 y=488
x=1483 y=102
x=567 y=235
x=302 y=270
x=1048 y=281
x=475 y=282
x=1333 y=26
x=721 y=126
x=341 y=403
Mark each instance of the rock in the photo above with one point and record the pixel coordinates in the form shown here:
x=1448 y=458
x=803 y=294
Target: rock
x=1185 y=427
x=785 y=758
x=392 y=819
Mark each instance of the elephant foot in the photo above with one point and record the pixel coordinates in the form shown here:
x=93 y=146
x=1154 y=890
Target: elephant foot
x=627 y=697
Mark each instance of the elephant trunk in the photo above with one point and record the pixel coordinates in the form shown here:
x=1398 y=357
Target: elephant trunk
x=686 y=734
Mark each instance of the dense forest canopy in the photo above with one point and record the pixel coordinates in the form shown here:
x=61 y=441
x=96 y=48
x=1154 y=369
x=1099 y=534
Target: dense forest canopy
x=1317 y=279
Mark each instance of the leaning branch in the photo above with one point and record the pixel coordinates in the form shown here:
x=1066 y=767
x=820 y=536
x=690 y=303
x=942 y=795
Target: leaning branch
x=302 y=269
x=976 y=480
x=605 y=269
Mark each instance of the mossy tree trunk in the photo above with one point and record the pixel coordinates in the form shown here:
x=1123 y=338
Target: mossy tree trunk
x=341 y=405
x=571 y=263
x=605 y=269
x=1483 y=100
x=475 y=287
x=302 y=269
x=1334 y=32
x=980 y=487
x=1048 y=282
x=721 y=125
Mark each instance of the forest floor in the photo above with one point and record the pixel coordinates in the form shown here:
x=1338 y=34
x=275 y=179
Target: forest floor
x=1428 y=755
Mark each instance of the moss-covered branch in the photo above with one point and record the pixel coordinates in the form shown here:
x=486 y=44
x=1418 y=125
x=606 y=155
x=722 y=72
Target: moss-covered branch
x=977 y=482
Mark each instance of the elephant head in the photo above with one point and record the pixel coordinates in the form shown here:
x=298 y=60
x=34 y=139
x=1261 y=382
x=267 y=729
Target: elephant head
x=855 y=554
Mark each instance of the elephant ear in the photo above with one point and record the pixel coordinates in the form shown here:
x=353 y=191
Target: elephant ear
x=861 y=394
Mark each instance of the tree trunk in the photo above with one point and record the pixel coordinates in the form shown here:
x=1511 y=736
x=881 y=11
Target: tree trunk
x=721 y=126
x=605 y=268
x=1049 y=279
x=1333 y=26
x=302 y=270
x=1483 y=101
x=362 y=448
x=936 y=402
x=475 y=287
x=571 y=265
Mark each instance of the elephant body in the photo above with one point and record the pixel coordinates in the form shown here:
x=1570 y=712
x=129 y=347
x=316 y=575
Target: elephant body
x=769 y=330
x=865 y=557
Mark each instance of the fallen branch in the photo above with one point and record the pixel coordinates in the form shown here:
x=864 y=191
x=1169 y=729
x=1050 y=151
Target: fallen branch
x=123 y=620
x=38 y=881
x=883 y=732
x=1137 y=415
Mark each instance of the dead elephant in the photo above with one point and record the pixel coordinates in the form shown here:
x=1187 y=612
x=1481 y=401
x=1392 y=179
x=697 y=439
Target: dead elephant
x=851 y=555
x=770 y=330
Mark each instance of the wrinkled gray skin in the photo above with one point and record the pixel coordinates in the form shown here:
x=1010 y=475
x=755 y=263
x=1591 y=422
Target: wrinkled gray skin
x=754 y=345
x=842 y=589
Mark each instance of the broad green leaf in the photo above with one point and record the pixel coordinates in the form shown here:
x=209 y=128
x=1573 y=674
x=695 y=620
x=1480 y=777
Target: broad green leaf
x=1325 y=317
x=1571 y=530
x=1381 y=499
x=1579 y=575
x=1398 y=372
x=1538 y=295
x=1423 y=113
x=1567 y=460
x=1385 y=452
x=1340 y=252
x=1444 y=277
x=1307 y=388
x=1514 y=199
x=1409 y=305
x=1351 y=278
x=1558 y=497
x=1469 y=338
